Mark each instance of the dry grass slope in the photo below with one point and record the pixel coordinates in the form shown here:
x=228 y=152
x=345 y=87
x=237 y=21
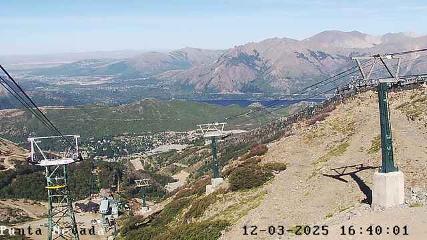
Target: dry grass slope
x=330 y=165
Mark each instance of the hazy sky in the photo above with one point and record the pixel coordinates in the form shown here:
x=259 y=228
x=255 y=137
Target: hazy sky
x=51 y=26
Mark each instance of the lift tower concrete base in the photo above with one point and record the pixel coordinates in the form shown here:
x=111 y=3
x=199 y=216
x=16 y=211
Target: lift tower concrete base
x=388 y=184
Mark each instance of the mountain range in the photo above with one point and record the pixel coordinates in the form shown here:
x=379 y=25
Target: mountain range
x=284 y=64
x=272 y=65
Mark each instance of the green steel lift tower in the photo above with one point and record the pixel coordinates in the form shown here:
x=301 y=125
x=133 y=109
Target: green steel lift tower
x=61 y=220
x=387 y=164
x=213 y=132
x=383 y=85
x=143 y=184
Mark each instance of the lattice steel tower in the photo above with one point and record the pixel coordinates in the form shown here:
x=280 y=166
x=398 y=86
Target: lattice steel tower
x=61 y=219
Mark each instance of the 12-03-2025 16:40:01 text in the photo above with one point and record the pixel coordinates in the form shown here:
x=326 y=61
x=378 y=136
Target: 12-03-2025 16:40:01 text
x=372 y=230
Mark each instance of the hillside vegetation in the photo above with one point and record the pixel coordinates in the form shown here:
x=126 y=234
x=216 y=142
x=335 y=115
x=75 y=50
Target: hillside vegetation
x=319 y=171
x=98 y=121
x=330 y=166
x=316 y=171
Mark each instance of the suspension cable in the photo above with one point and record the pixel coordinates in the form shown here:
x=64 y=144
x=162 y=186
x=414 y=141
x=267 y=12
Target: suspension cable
x=30 y=104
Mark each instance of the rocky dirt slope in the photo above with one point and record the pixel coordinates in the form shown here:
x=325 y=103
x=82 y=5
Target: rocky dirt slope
x=330 y=169
x=9 y=153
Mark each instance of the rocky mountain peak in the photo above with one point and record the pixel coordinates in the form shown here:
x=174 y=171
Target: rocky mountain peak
x=340 y=39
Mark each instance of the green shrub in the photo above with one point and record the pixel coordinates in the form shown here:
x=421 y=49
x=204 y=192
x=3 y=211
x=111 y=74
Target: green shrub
x=184 y=192
x=252 y=160
x=206 y=230
x=228 y=171
x=417 y=204
x=248 y=161
x=162 y=179
x=375 y=145
x=274 y=166
x=248 y=176
x=24 y=181
x=198 y=187
x=130 y=224
x=257 y=150
x=159 y=228
x=135 y=228
x=145 y=232
x=225 y=154
x=29 y=186
x=171 y=210
x=199 y=206
x=232 y=151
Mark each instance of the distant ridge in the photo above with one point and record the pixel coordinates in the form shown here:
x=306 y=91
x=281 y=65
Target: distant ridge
x=272 y=65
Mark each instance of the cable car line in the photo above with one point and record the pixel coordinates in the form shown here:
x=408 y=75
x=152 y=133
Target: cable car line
x=22 y=101
x=324 y=82
x=334 y=80
x=31 y=105
x=406 y=52
x=376 y=71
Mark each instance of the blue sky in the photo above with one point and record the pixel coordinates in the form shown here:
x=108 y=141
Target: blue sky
x=55 y=26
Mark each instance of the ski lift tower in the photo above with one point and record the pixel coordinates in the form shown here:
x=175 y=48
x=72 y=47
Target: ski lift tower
x=143 y=184
x=61 y=219
x=213 y=132
x=388 y=189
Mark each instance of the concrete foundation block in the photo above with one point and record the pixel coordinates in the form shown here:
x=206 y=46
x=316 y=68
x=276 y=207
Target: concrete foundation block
x=388 y=190
x=209 y=189
x=215 y=183
x=145 y=209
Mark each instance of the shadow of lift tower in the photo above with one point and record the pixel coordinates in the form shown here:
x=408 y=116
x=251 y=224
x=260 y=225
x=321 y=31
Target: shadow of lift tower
x=388 y=184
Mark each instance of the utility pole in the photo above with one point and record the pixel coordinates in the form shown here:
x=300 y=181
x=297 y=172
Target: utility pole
x=61 y=218
x=213 y=132
x=388 y=189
